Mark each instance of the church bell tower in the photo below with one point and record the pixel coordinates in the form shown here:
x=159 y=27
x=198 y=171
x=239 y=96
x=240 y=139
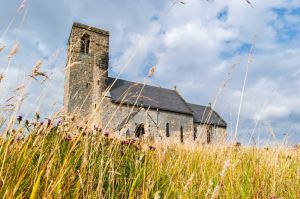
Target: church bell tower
x=87 y=69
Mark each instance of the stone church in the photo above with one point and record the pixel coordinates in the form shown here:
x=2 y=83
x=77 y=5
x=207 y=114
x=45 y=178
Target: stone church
x=129 y=109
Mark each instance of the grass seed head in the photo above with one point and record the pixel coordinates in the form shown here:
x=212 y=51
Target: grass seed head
x=22 y=6
x=13 y=51
x=1 y=77
x=36 y=71
x=2 y=47
x=151 y=71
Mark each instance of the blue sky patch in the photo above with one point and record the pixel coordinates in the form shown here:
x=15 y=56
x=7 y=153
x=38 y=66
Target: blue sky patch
x=243 y=48
x=222 y=15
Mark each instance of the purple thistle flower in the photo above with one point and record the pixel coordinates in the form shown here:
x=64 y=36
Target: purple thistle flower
x=67 y=138
x=125 y=142
x=37 y=116
x=19 y=119
x=26 y=122
x=48 y=122
x=152 y=148
x=96 y=128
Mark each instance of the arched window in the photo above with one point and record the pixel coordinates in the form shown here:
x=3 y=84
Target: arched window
x=85 y=44
x=139 y=131
x=167 y=130
x=181 y=134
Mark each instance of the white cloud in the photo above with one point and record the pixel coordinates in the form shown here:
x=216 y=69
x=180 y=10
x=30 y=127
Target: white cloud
x=188 y=43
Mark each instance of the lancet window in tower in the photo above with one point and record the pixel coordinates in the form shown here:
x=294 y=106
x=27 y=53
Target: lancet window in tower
x=85 y=44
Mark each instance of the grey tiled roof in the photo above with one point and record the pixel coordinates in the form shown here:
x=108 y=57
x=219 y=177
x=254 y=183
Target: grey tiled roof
x=127 y=92
x=201 y=115
x=151 y=96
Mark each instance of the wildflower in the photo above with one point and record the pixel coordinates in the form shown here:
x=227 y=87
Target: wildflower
x=37 y=116
x=26 y=122
x=19 y=138
x=48 y=122
x=96 y=128
x=151 y=71
x=133 y=140
x=13 y=51
x=152 y=148
x=237 y=144
x=68 y=138
x=58 y=123
x=125 y=142
x=106 y=134
x=19 y=119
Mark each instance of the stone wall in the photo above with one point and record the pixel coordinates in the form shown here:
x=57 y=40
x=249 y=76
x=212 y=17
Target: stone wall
x=115 y=115
x=85 y=81
x=218 y=134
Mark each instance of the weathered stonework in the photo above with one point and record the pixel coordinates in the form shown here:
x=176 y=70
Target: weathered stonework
x=154 y=120
x=86 y=73
x=86 y=94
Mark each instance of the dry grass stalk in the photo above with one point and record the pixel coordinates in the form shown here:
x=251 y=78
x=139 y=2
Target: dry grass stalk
x=157 y=195
x=249 y=2
x=151 y=71
x=2 y=47
x=22 y=6
x=1 y=77
x=13 y=51
x=35 y=71
x=72 y=64
x=188 y=183
x=217 y=189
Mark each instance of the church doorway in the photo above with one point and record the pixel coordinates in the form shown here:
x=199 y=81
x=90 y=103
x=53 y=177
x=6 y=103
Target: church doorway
x=139 y=130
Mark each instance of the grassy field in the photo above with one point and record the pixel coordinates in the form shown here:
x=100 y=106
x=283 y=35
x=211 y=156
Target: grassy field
x=51 y=162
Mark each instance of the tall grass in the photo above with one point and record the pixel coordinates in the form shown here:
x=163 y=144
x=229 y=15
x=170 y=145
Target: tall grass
x=63 y=161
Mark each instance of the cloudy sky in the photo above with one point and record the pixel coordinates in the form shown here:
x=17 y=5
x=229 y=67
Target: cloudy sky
x=196 y=45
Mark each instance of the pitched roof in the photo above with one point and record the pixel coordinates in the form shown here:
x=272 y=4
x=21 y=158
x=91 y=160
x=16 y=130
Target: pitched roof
x=127 y=92
x=201 y=115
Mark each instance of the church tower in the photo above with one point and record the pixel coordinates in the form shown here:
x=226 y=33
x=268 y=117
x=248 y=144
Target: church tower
x=86 y=71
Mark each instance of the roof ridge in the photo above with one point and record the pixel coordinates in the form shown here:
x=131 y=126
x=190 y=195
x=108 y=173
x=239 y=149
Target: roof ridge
x=177 y=92
x=143 y=83
x=196 y=104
